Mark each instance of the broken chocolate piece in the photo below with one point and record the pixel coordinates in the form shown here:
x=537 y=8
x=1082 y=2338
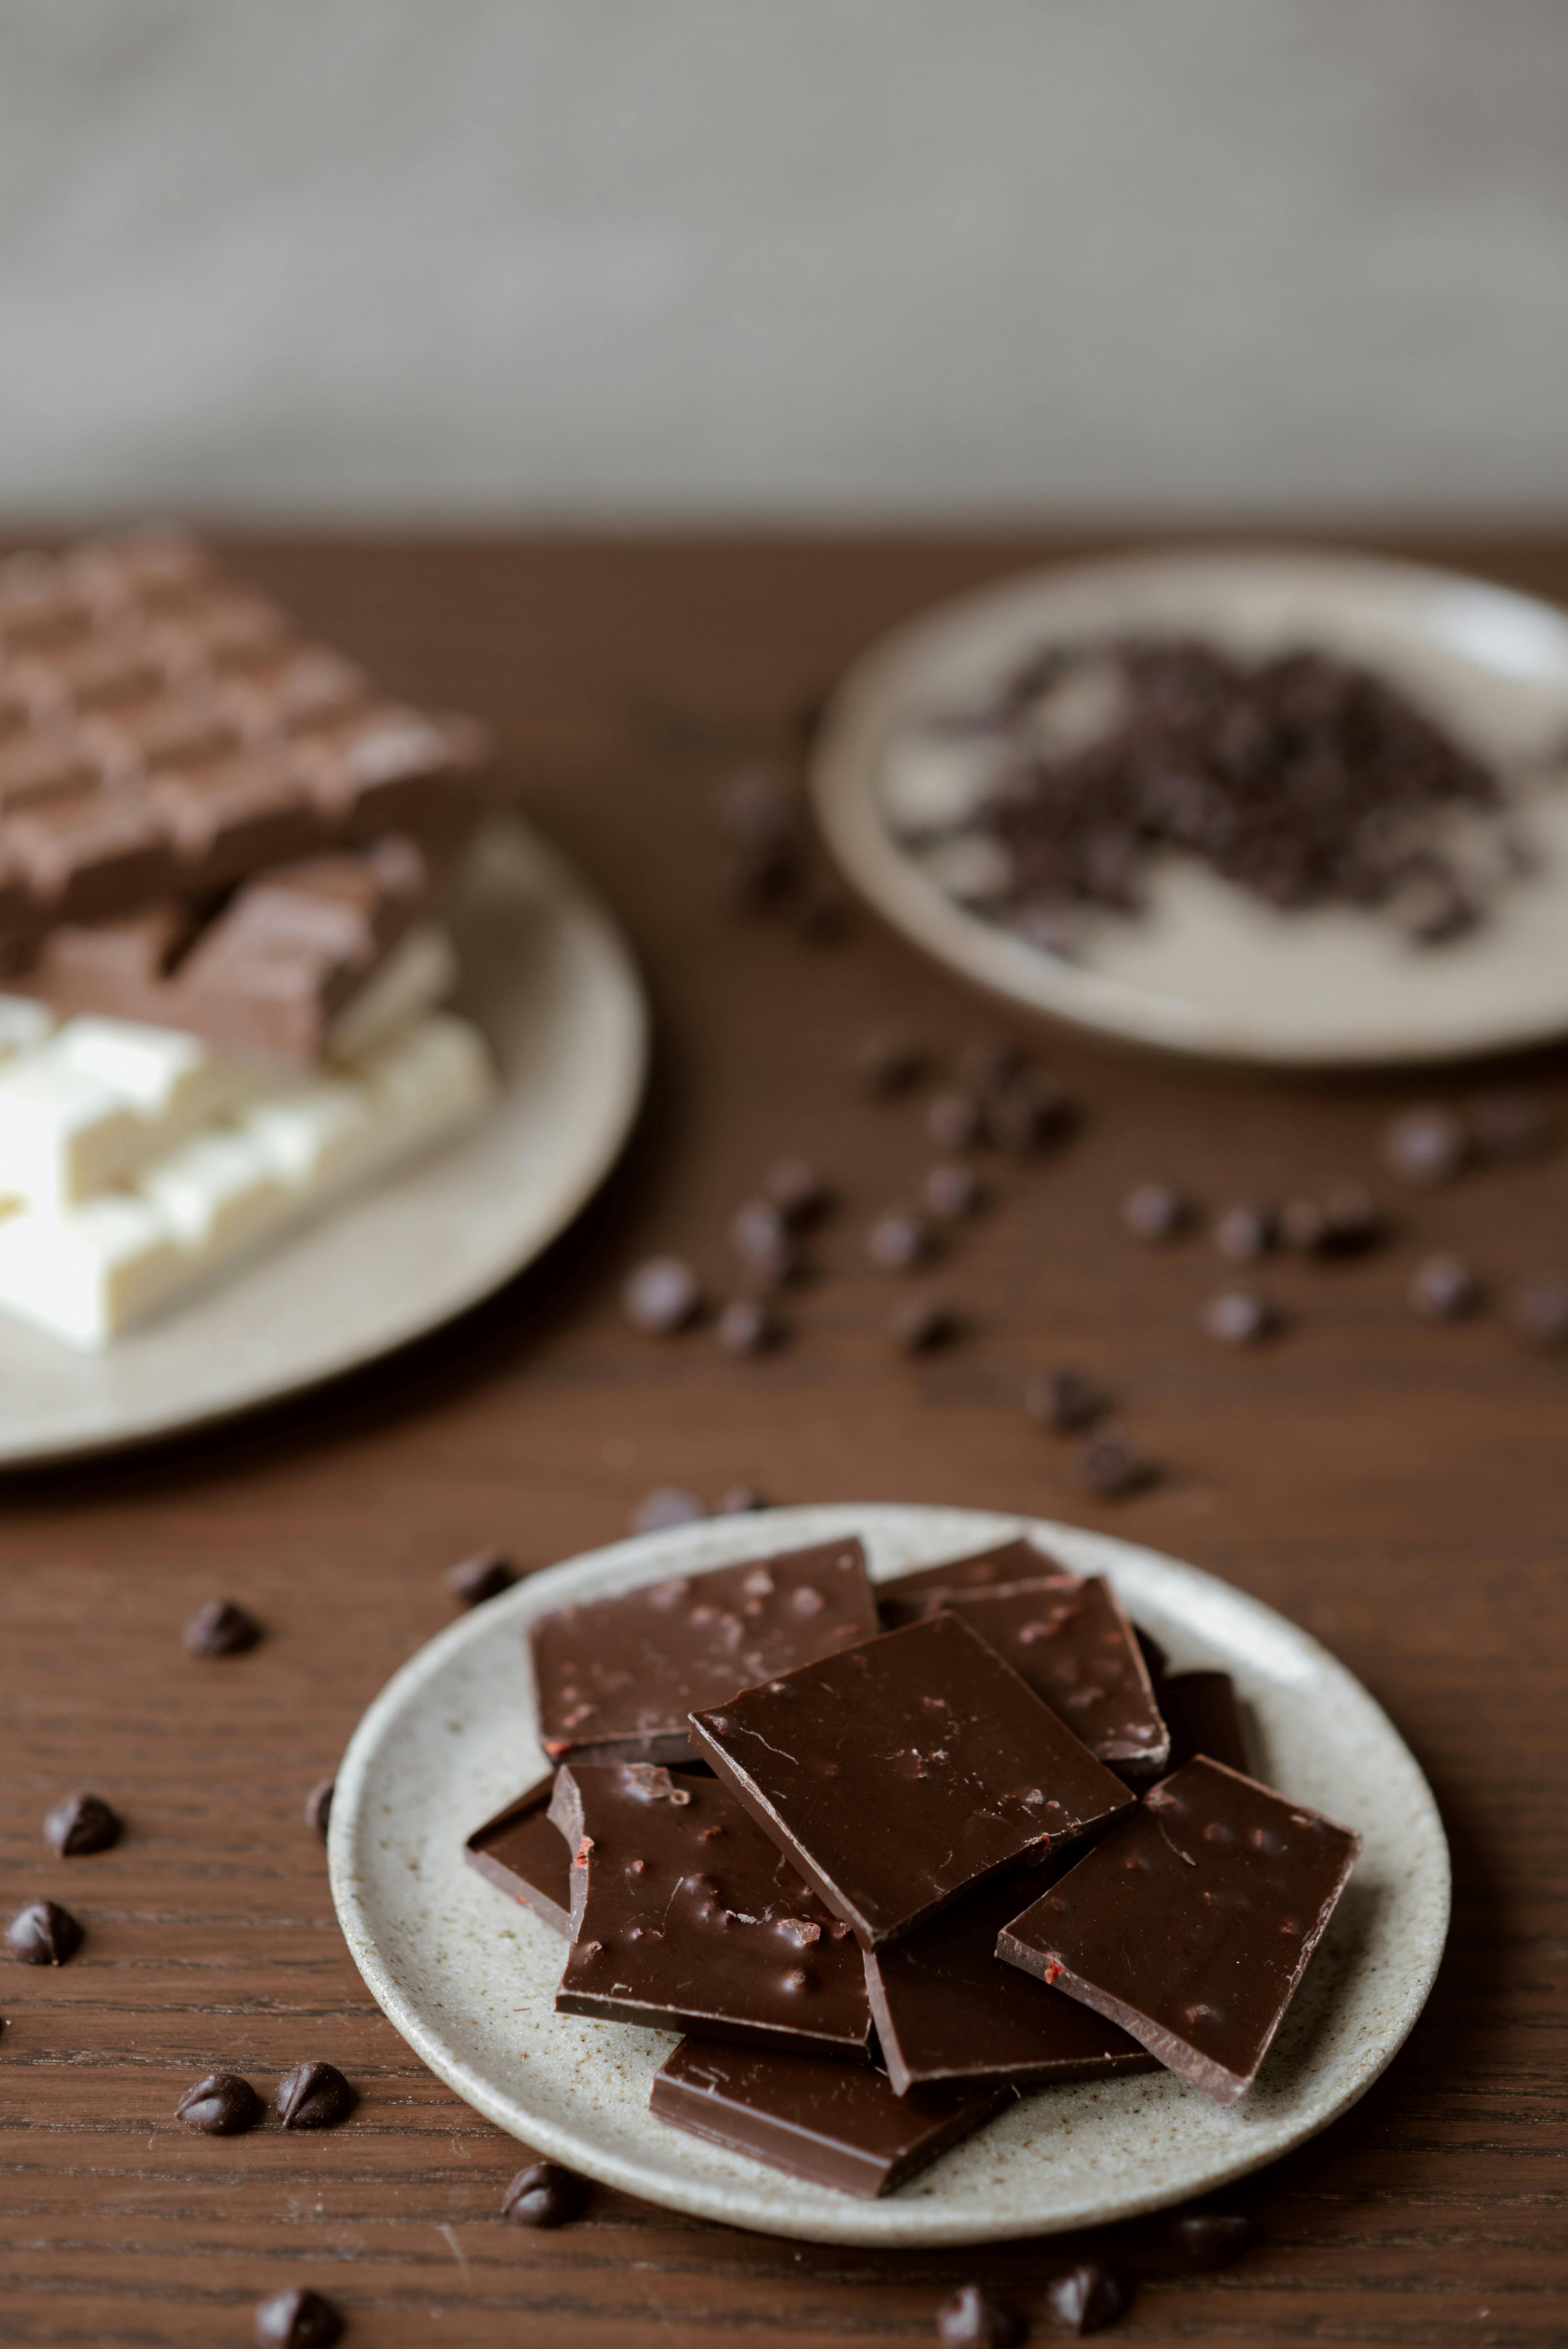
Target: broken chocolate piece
x=685 y=1917
x=837 y=2124
x=1192 y=1922
x=914 y=1596
x=617 y=1678
x=1075 y=1648
x=1204 y=1714
x=903 y=1773
x=521 y=1851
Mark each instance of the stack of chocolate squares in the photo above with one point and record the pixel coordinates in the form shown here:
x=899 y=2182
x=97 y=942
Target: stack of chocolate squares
x=890 y=1866
x=221 y=852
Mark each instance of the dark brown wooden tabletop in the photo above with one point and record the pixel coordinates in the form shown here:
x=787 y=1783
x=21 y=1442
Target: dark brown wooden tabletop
x=1400 y=1489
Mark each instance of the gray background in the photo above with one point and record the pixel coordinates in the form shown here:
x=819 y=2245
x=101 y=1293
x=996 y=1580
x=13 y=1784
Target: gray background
x=800 y=256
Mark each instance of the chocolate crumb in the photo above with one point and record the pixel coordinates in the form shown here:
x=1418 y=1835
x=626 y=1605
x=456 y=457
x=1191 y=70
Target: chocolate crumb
x=314 y=2095
x=484 y=1576
x=661 y=1296
x=666 y=1504
x=1111 y=1467
x=951 y=1190
x=221 y=1629
x=973 y=2320
x=899 y=1240
x=43 y=1934
x=890 y=1062
x=1156 y=1212
x=1085 y=2300
x=1243 y=1233
x=923 y=1324
x=747 y=1326
x=1067 y=1401
x=1240 y=1317
x=297 y=2319
x=1443 y=1289
x=544 y=2195
x=1537 y=1311
x=319 y=1806
x=1426 y=1147
x=222 y=2105
x=1204 y=2240
x=80 y=1824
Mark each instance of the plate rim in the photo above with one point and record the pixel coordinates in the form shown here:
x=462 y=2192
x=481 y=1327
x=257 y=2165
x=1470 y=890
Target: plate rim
x=641 y=1558
x=987 y=955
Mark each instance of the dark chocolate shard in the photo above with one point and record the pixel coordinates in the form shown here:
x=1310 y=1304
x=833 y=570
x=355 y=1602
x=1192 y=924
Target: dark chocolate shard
x=519 y=1851
x=686 y=1916
x=1192 y=1922
x=1204 y=1715
x=835 y=2125
x=1076 y=1648
x=912 y=1595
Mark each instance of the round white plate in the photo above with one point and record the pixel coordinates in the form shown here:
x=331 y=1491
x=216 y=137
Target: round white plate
x=1209 y=969
x=547 y=976
x=469 y=1977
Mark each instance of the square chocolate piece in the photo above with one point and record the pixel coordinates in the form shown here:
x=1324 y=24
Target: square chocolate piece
x=616 y=1680
x=912 y=1596
x=947 y=2008
x=685 y=1918
x=836 y=2125
x=1076 y=1650
x=1191 y=1923
x=522 y=1851
x=905 y=1772
x=1204 y=1714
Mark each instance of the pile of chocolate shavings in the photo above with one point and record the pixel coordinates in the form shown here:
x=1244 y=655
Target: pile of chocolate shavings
x=1303 y=778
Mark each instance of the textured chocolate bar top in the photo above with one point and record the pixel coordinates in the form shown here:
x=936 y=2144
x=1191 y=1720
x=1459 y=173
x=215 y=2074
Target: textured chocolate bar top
x=163 y=730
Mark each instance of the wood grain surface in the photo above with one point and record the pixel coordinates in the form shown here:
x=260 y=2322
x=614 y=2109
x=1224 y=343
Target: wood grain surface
x=1400 y=1489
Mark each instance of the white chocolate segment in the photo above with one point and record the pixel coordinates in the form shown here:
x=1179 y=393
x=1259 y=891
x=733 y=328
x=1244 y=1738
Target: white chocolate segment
x=85 y=1274
x=64 y=1134
x=174 y=1080
x=218 y=1192
x=315 y=1134
x=422 y=974
x=24 y=1024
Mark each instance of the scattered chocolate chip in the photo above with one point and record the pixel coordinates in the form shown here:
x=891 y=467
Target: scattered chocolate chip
x=741 y=1500
x=761 y=1239
x=1426 y=1147
x=890 y=1062
x=923 y=1324
x=222 y=2105
x=1085 y=2300
x=954 y=1121
x=314 y=2095
x=973 y=2320
x=82 y=1824
x=760 y=814
x=484 y=1576
x=544 y=2195
x=43 y=1934
x=221 y=1629
x=819 y=912
x=1443 y=1289
x=798 y=1192
x=899 y=1240
x=666 y=1504
x=1155 y=1212
x=1240 y=1317
x=1028 y=1114
x=1510 y=1127
x=1067 y=1402
x=988 y=1063
x=1245 y=1233
x=1346 y=1222
x=319 y=1806
x=1113 y=1468
x=1202 y=2240
x=1537 y=1311
x=951 y=1190
x=747 y=1326
x=661 y=1296
x=297 y=2319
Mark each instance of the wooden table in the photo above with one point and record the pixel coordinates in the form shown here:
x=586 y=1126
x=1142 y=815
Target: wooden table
x=1400 y=1490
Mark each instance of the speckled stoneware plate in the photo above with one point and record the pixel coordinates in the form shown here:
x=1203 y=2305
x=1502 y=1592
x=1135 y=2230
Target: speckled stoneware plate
x=469 y=1977
x=549 y=978
x=1209 y=969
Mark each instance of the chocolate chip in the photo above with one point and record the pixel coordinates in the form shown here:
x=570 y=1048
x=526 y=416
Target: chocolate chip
x=319 y=1806
x=297 y=2319
x=761 y=1239
x=661 y=1297
x=43 y=1934
x=798 y=1192
x=1245 y=1233
x=484 y=1576
x=923 y=1324
x=1155 y=1212
x=889 y=1062
x=986 y=1063
x=221 y=1629
x=312 y=2097
x=973 y=2320
x=1113 y=1468
x=741 y=1500
x=1067 y=1402
x=954 y=1121
x=1028 y=1114
x=899 y=1240
x=666 y=1504
x=1537 y=1311
x=951 y=1190
x=1443 y=1289
x=1085 y=2300
x=1510 y=1127
x=819 y=912
x=1426 y=1147
x=1240 y=1317
x=1202 y=2240
x=222 y=2105
x=544 y=2195
x=760 y=814
x=747 y=1326
x=82 y=1824
x=1346 y=1222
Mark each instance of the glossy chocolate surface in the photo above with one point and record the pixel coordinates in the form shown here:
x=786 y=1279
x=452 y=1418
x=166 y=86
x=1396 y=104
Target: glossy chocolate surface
x=1191 y=1923
x=617 y=1679
x=837 y=2124
x=903 y=1772
x=1076 y=1648
x=1204 y=1715
x=522 y=1852
x=947 y=2008
x=687 y=1918
x=914 y=1596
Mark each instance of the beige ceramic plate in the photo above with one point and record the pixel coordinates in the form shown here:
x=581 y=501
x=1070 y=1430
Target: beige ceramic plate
x=469 y=1977
x=1209 y=969
x=549 y=978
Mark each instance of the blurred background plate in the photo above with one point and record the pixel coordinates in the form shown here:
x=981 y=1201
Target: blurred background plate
x=550 y=980
x=1209 y=969
x=469 y=1977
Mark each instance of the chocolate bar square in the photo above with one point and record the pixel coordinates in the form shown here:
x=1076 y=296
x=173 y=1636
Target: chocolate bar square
x=521 y=1850
x=1076 y=1648
x=912 y=1595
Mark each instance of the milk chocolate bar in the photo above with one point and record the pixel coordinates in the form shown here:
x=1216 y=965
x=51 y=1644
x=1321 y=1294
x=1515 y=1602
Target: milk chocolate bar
x=685 y=1918
x=524 y=1852
x=617 y=1679
x=912 y=1595
x=164 y=732
x=838 y=2125
x=1191 y=1924
x=902 y=1774
x=1076 y=1648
